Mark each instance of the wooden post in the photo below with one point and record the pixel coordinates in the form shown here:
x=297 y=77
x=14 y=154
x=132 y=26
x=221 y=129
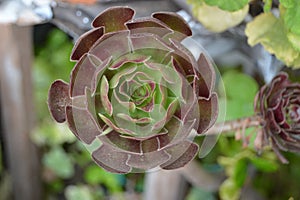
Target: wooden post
x=17 y=111
x=165 y=185
x=173 y=185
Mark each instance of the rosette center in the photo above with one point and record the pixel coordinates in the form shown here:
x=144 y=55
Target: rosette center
x=142 y=99
x=293 y=115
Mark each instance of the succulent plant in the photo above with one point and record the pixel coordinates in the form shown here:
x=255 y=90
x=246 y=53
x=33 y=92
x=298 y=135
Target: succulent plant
x=278 y=103
x=137 y=92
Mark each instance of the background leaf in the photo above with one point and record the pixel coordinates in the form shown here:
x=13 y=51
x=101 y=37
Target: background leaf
x=59 y=162
x=271 y=33
x=291 y=15
x=229 y=5
x=240 y=92
x=239 y=86
x=51 y=133
x=210 y=16
x=95 y=175
x=229 y=190
x=78 y=192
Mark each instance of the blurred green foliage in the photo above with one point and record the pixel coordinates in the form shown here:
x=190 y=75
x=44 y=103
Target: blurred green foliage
x=78 y=192
x=244 y=167
x=237 y=170
x=51 y=62
x=59 y=162
x=236 y=160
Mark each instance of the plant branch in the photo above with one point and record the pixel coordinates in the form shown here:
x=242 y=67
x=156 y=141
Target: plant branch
x=235 y=125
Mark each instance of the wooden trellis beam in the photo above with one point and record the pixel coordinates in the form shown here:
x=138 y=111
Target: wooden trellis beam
x=17 y=111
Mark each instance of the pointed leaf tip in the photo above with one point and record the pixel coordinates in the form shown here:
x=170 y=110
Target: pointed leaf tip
x=207 y=76
x=174 y=21
x=85 y=42
x=114 y=18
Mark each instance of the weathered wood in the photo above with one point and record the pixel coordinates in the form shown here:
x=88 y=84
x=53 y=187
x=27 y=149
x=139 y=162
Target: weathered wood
x=17 y=110
x=173 y=185
x=198 y=177
x=165 y=185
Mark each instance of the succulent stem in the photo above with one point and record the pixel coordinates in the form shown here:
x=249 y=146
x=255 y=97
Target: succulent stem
x=235 y=125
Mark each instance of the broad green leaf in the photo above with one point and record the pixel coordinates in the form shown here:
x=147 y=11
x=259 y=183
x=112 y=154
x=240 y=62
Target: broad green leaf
x=228 y=5
x=229 y=190
x=218 y=20
x=240 y=92
x=287 y=3
x=239 y=86
x=73 y=192
x=270 y=32
x=59 y=162
x=294 y=40
x=237 y=109
x=291 y=15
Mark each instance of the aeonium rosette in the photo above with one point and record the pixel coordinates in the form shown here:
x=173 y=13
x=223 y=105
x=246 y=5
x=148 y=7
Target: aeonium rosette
x=136 y=92
x=278 y=103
